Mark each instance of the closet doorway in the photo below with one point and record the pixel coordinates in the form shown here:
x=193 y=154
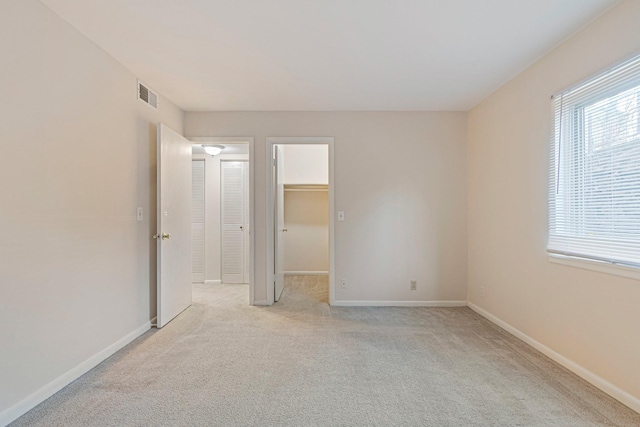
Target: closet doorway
x=300 y=206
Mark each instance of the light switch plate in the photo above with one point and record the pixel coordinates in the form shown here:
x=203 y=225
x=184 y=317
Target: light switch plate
x=340 y=215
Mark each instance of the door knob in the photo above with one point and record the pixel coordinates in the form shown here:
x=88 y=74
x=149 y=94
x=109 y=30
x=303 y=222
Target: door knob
x=285 y=229
x=166 y=236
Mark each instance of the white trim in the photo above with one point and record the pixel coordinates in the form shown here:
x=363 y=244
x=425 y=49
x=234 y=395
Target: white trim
x=332 y=226
x=261 y=302
x=345 y=303
x=300 y=140
x=252 y=208
x=600 y=266
x=599 y=382
x=306 y=273
x=233 y=157
x=213 y=282
x=25 y=405
x=252 y=220
x=270 y=142
x=221 y=139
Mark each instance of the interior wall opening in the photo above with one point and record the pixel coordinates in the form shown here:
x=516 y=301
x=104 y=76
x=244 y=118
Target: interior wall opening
x=222 y=194
x=301 y=206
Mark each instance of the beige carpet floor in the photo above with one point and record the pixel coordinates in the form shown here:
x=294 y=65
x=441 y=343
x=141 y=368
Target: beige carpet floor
x=303 y=363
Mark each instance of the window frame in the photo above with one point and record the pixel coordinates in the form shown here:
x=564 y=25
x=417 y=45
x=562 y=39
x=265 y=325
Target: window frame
x=573 y=204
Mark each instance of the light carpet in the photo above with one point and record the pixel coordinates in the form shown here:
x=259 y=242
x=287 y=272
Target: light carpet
x=303 y=363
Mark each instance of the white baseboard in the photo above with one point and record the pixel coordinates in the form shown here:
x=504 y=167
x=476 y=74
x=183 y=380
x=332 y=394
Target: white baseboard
x=213 y=282
x=306 y=273
x=30 y=402
x=344 y=303
x=599 y=382
x=261 y=302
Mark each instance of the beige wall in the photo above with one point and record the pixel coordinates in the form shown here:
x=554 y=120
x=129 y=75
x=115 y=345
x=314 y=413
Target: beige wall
x=588 y=317
x=306 y=213
x=78 y=157
x=306 y=217
x=306 y=163
x=401 y=180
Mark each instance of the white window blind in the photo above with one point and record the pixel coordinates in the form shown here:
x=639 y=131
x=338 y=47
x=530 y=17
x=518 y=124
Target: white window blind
x=594 y=185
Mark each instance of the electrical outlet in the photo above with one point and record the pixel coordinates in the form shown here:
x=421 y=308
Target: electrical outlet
x=414 y=285
x=483 y=292
x=343 y=284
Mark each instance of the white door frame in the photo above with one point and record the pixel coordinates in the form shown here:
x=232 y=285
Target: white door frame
x=252 y=235
x=270 y=274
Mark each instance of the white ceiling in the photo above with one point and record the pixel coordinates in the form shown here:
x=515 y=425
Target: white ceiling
x=310 y=55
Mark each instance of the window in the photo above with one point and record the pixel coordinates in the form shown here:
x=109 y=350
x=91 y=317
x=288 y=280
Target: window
x=594 y=185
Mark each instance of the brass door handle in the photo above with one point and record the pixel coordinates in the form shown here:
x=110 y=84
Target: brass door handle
x=285 y=229
x=166 y=236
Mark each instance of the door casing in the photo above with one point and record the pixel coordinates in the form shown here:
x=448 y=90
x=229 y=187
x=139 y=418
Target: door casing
x=270 y=243
x=239 y=140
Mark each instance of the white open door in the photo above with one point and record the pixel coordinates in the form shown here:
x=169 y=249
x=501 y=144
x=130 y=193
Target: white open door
x=279 y=222
x=174 y=224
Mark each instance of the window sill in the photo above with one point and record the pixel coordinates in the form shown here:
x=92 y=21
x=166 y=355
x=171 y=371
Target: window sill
x=600 y=266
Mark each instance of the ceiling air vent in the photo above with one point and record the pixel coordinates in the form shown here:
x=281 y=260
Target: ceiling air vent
x=147 y=96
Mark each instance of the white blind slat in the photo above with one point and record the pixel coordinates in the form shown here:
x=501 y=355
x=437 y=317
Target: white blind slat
x=594 y=158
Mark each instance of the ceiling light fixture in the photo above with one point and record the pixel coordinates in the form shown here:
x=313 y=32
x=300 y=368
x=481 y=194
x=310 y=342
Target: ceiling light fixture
x=214 y=150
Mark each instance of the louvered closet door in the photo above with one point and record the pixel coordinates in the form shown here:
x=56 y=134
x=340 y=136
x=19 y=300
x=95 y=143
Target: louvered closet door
x=197 y=221
x=234 y=244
